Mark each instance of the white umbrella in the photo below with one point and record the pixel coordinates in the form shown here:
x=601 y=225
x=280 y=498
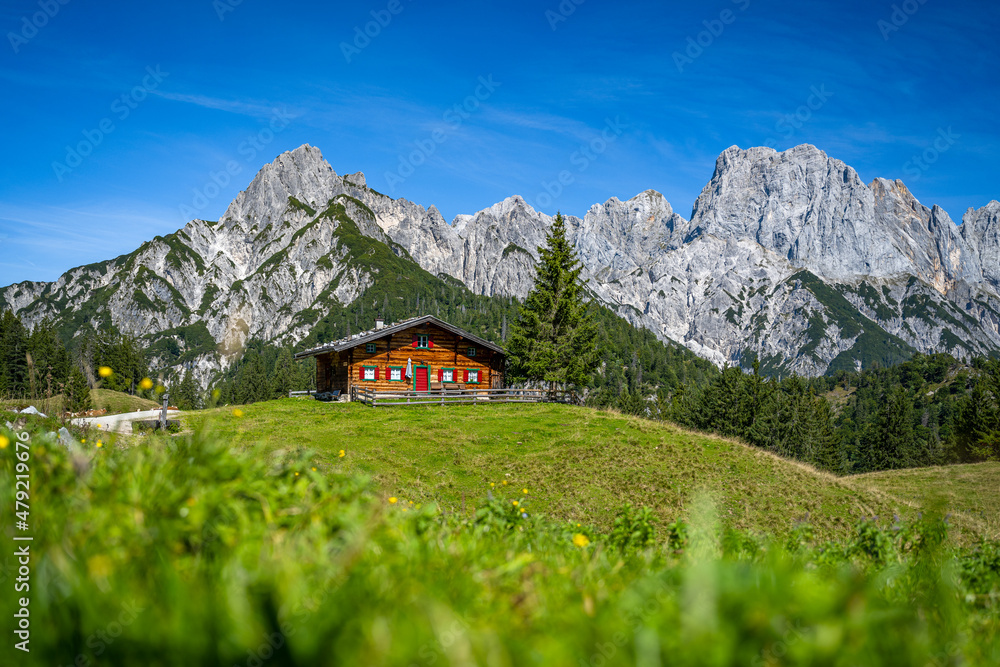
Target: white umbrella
x=409 y=368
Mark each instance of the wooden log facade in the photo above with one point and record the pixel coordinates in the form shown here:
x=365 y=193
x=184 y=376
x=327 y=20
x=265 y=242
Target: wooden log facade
x=441 y=356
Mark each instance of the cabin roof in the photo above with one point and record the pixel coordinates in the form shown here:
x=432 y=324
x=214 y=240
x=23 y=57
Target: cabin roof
x=370 y=336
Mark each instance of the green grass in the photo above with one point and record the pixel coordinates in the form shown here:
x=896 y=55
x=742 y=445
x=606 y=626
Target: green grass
x=113 y=401
x=972 y=491
x=188 y=551
x=578 y=464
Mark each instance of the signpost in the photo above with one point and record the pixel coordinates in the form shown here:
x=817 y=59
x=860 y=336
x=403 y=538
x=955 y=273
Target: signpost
x=163 y=413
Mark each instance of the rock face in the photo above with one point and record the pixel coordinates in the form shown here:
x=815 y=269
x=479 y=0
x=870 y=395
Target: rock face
x=787 y=256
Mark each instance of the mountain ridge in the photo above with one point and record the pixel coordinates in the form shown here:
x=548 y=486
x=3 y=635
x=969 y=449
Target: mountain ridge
x=726 y=283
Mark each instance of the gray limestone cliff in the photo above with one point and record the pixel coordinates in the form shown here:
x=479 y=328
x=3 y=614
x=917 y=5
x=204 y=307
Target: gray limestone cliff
x=788 y=257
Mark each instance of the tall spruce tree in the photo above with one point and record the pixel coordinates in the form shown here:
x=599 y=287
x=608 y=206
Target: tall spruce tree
x=186 y=396
x=284 y=377
x=77 y=392
x=13 y=356
x=553 y=339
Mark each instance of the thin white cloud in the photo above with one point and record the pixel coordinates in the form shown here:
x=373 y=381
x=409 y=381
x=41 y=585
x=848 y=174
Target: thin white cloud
x=253 y=109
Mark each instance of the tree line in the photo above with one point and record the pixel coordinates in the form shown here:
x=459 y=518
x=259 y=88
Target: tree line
x=930 y=410
x=39 y=364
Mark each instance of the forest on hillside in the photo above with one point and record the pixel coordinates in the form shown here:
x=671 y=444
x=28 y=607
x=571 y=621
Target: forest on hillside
x=930 y=410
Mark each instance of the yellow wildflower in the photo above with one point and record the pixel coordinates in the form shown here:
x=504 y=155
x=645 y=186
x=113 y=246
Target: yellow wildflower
x=4 y=441
x=515 y=503
x=237 y=412
x=191 y=502
x=296 y=474
x=392 y=500
x=84 y=441
x=492 y=485
x=524 y=491
x=146 y=384
x=581 y=540
x=104 y=371
x=314 y=468
x=100 y=444
x=504 y=482
x=160 y=389
x=342 y=453
x=99 y=566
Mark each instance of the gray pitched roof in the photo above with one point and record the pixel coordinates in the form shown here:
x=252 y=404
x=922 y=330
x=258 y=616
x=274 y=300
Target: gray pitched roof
x=370 y=336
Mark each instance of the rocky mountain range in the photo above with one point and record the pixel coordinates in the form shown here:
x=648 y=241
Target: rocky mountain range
x=788 y=256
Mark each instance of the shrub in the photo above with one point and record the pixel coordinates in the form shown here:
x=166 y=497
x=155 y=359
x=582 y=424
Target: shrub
x=633 y=529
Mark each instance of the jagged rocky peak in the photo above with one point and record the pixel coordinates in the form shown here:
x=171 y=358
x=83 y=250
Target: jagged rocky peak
x=639 y=228
x=981 y=231
x=927 y=237
x=510 y=208
x=302 y=173
x=357 y=179
x=816 y=212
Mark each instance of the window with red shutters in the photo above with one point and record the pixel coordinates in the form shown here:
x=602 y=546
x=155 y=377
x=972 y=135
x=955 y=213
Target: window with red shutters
x=361 y=373
x=440 y=375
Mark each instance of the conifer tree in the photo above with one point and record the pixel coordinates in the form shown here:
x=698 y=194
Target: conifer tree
x=253 y=384
x=284 y=377
x=890 y=438
x=13 y=355
x=186 y=396
x=77 y=392
x=553 y=339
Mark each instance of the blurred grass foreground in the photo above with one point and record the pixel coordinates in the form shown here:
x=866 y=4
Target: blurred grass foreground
x=182 y=551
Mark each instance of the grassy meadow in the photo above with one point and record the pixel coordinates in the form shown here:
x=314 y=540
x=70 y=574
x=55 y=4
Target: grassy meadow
x=578 y=464
x=115 y=402
x=250 y=540
x=971 y=491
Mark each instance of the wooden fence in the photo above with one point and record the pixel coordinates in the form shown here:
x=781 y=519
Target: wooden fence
x=461 y=396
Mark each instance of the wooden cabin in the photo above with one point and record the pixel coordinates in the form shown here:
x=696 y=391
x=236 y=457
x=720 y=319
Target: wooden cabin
x=419 y=354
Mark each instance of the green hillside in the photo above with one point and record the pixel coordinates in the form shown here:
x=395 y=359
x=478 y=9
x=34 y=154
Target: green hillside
x=971 y=491
x=188 y=550
x=115 y=402
x=578 y=464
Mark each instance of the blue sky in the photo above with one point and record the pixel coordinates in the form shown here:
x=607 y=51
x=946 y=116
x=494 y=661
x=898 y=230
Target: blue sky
x=617 y=97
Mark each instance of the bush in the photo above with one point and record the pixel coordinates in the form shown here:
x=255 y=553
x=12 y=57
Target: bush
x=633 y=529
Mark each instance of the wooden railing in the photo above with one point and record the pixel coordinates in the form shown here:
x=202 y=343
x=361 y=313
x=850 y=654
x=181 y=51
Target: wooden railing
x=461 y=396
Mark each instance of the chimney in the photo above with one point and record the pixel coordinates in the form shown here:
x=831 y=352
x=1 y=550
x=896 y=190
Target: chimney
x=379 y=323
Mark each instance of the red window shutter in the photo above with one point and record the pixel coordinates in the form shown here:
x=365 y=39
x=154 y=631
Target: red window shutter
x=440 y=375
x=376 y=372
x=465 y=375
x=361 y=373
x=414 y=340
x=430 y=343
